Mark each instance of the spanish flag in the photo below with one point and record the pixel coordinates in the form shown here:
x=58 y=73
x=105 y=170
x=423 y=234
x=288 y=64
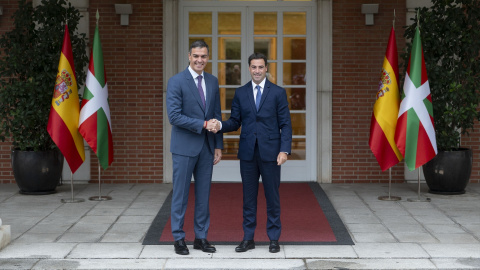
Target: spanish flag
x=65 y=110
x=385 y=110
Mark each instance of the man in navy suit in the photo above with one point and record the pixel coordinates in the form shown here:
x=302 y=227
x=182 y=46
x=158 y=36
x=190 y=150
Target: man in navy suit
x=261 y=109
x=192 y=99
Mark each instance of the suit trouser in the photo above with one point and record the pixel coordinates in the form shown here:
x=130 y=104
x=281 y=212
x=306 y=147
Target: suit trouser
x=250 y=171
x=201 y=168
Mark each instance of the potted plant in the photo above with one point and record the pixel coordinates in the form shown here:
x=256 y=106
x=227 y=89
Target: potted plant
x=450 y=31
x=29 y=59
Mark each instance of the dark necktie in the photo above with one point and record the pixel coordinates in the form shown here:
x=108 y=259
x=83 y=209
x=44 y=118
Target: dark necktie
x=258 y=98
x=200 y=89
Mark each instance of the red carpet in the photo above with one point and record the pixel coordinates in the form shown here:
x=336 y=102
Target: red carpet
x=303 y=220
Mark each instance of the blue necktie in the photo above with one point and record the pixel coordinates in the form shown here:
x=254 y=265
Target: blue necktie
x=258 y=98
x=200 y=89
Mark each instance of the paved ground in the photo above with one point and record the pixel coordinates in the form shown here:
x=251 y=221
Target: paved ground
x=49 y=234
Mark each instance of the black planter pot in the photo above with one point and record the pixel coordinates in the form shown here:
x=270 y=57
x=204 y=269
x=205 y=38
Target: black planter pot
x=448 y=173
x=37 y=172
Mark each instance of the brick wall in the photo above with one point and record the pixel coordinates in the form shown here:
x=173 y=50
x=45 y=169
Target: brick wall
x=133 y=62
x=358 y=53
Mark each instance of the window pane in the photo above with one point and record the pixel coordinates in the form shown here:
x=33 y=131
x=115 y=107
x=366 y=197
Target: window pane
x=229 y=23
x=230 y=148
x=296 y=98
x=200 y=23
x=294 y=73
x=267 y=46
x=294 y=23
x=229 y=74
x=298 y=149
x=226 y=97
x=298 y=123
x=271 y=72
x=229 y=48
x=265 y=23
x=206 y=39
x=294 y=49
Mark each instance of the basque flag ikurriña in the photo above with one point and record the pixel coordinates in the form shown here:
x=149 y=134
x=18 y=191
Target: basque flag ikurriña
x=95 y=123
x=415 y=134
x=385 y=110
x=64 y=112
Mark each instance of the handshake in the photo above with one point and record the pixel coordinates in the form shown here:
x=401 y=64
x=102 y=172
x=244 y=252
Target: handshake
x=212 y=125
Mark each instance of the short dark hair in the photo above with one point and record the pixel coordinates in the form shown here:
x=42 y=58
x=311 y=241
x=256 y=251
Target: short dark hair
x=199 y=44
x=257 y=56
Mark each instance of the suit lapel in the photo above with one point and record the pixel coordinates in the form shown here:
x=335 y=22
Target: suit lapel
x=208 y=91
x=266 y=90
x=193 y=88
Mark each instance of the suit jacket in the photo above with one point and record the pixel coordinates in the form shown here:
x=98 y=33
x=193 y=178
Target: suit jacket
x=187 y=115
x=271 y=125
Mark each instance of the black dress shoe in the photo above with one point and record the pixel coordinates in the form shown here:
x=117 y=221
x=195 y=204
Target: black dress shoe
x=180 y=247
x=274 y=246
x=245 y=245
x=203 y=245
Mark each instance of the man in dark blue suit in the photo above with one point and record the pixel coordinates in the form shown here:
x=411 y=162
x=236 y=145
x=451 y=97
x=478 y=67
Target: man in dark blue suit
x=261 y=109
x=192 y=99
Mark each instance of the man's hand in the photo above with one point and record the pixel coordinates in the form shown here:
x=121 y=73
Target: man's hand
x=213 y=125
x=218 y=156
x=281 y=158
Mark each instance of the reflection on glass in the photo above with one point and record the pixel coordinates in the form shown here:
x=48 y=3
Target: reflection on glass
x=294 y=23
x=298 y=149
x=229 y=74
x=229 y=23
x=200 y=23
x=294 y=73
x=230 y=148
x=267 y=46
x=296 y=98
x=298 y=123
x=271 y=72
x=229 y=48
x=226 y=97
x=265 y=23
x=294 y=49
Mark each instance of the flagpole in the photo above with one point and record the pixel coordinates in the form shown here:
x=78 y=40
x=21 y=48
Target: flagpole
x=99 y=197
x=72 y=200
x=389 y=197
x=394 y=17
x=418 y=191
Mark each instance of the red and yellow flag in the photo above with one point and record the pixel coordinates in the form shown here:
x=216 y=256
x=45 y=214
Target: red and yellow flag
x=385 y=110
x=95 y=121
x=65 y=110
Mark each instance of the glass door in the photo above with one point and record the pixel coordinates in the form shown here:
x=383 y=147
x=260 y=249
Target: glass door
x=285 y=35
